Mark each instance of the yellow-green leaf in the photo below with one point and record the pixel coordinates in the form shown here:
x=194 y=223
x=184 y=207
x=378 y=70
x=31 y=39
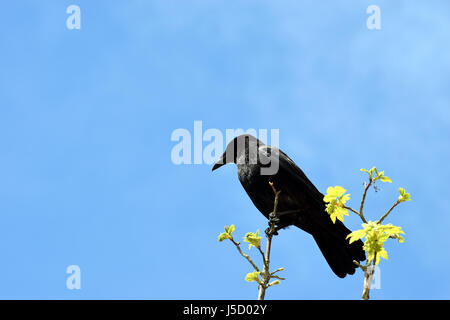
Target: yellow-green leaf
x=333 y=193
x=274 y=283
x=335 y=211
x=336 y=199
x=224 y=236
x=356 y=235
x=344 y=198
x=227 y=234
x=253 y=239
x=383 y=254
x=370 y=172
x=229 y=229
x=404 y=196
x=376 y=235
x=252 y=276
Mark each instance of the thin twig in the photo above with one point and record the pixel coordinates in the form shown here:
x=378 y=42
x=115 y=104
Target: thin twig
x=265 y=274
x=387 y=213
x=368 y=270
x=367 y=186
x=363 y=268
x=277 y=277
x=263 y=257
x=278 y=270
x=359 y=214
x=238 y=247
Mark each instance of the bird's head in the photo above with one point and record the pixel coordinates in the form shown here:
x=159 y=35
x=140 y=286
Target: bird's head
x=239 y=151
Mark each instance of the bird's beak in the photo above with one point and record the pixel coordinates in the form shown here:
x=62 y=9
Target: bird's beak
x=220 y=162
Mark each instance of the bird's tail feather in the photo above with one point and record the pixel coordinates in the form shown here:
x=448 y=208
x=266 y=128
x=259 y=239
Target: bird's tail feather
x=336 y=249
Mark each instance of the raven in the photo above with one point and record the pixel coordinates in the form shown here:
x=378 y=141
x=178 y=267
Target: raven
x=299 y=204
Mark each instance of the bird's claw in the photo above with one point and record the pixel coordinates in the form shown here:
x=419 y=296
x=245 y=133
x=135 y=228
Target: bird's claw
x=270 y=232
x=273 y=219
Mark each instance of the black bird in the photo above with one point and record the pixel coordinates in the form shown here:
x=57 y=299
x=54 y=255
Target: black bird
x=300 y=203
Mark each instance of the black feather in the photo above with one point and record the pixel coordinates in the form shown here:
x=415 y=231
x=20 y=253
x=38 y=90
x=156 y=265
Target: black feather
x=297 y=193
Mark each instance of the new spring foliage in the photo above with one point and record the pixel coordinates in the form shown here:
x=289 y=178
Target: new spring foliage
x=375 y=233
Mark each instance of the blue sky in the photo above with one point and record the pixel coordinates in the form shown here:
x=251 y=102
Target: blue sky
x=86 y=116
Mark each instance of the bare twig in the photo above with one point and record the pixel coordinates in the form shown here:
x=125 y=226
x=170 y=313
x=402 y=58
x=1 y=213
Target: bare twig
x=238 y=247
x=278 y=270
x=265 y=274
x=359 y=214
x=367 y=186
x=277 y=277
x=363 y=268
x=263 y=256
x=368 y=269
x=368 y=277
x=387 y=213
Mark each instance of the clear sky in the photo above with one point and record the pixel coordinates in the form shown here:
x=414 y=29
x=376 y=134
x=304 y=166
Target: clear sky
x=86 y=116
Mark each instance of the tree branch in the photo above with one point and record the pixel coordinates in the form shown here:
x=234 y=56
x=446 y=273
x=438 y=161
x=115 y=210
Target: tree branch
x=238 y=247
x=367 y=186
x=387 y=213
x=368 y=278
x=359 y=214
x=265 y=274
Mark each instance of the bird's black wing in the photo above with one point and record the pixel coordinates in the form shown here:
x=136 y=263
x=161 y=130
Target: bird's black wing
x=291 y=176
x=298 y=192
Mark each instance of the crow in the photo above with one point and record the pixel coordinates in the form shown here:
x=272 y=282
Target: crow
x=300 y=204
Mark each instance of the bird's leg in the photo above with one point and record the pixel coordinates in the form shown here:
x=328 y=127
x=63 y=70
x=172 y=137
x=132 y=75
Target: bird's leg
x=274 y=220
x=275 y=230
x=270 y=232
